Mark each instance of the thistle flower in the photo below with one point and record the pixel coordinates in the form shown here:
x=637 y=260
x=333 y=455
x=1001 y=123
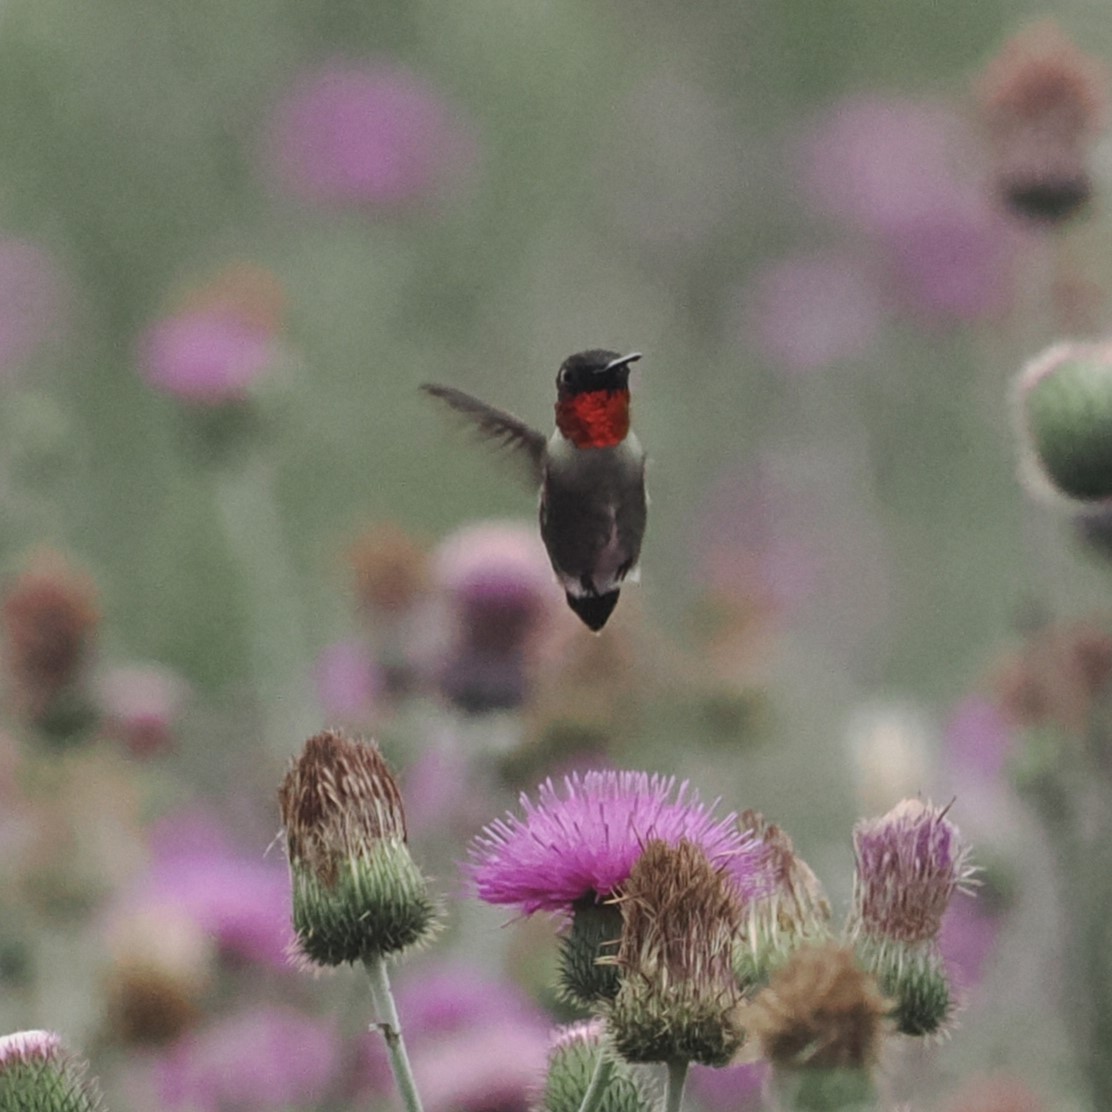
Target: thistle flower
x=678 y=998
x=909 y=864
x=49 y=614
x=1063 y=405
x=820 y=1023
x=573 y=1060
x=38 y=1075
x=576 y=847
x=792 y=909
x=1043 y=100
x=357 y=895
x=581 y=839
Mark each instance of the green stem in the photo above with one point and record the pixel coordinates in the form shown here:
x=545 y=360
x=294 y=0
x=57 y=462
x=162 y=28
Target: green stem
x=390 y=1026
x=677 y=1076
x=592 y=1098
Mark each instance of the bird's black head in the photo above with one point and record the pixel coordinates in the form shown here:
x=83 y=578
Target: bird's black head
x=587 y=371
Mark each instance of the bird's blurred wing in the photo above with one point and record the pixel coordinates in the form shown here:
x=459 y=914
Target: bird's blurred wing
x=502 y=429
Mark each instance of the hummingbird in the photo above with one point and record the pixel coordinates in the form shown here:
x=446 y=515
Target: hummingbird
x=590 y=473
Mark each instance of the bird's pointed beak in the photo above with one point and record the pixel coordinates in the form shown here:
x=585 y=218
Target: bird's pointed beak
x=622 y=361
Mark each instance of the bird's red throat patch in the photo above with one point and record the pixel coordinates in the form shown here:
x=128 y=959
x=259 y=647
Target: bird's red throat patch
x=594 y=419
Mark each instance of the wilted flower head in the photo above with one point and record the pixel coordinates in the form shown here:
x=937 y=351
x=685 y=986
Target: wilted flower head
x=374 y=135
x=389 y=567
x=821 y=1010
x=49 y=614
x=356 y=892
x=791 y=908
x=581 y=839
x=678 y=997
x=1043 y=99
x=38 y=1075
x=1056 y=677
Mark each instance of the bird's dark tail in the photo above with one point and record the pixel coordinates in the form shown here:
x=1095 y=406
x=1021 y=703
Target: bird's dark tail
x=593 y=610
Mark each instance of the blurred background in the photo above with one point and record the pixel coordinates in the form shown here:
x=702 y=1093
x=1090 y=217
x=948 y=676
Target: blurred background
x=235 y=238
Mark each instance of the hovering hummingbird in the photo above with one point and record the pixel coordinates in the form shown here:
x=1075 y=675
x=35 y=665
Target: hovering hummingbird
x=591 y=475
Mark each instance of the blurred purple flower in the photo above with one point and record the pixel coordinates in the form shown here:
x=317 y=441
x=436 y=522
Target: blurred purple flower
x=732 y=1089
x=260 y=1060
x=347 y=681
x=810 y=310
x=209 y=356
x=375 y=134
x=499 y=587
x=895 y=169
x=449 y=1008
x=239 y=900
x=31 y=299
x=141 y=704
x=496 y=1064
x=978 y=740
x=580 y=840
x=970 y=929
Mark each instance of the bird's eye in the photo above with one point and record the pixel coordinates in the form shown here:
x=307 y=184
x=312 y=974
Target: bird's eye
x=564 y=377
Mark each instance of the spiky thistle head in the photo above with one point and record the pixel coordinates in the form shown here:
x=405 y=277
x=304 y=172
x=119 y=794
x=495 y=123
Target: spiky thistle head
x=572 y=1060
x=37 y=1074
x=678 y=997
x=909 y=864
x=357 y=893
x=791 y=909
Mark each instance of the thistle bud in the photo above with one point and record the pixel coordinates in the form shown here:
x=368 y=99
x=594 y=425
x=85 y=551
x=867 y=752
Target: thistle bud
x=572 y=1064
x=792 y=910
x=678 y=999
x=820 y=1022
x=1064 y=408
x=909 y=864
x=38 y=1075
x=1043 y=101
x=49 y=618
x=357 y=894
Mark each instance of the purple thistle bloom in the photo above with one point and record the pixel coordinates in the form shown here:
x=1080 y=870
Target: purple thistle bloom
x=258 y=1060
x=581 y=843
x=375 y=135
x=206 y=356
x=909 y=864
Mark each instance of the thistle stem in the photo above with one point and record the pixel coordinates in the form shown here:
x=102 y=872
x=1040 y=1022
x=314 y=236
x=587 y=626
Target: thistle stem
x=677 y=1076
x=390 y=1026
x=592 y=1098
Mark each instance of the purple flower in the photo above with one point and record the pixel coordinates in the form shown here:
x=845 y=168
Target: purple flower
x=732 y=1089
x=808 y=311
x=968 y=939
x=30 y=301
x=580 y=840
x=240 y=901
x=260 y=1060
x=347 y=680
x=895 y=169
x=496 y=1064
x=374 y=134
x=909 y=864
x=208 y=356
x=978 y=740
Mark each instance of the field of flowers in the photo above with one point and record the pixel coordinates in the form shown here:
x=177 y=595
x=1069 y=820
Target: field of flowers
x=820 y=819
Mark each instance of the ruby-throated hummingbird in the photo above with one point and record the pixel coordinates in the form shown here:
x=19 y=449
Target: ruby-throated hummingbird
x=591 y=474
